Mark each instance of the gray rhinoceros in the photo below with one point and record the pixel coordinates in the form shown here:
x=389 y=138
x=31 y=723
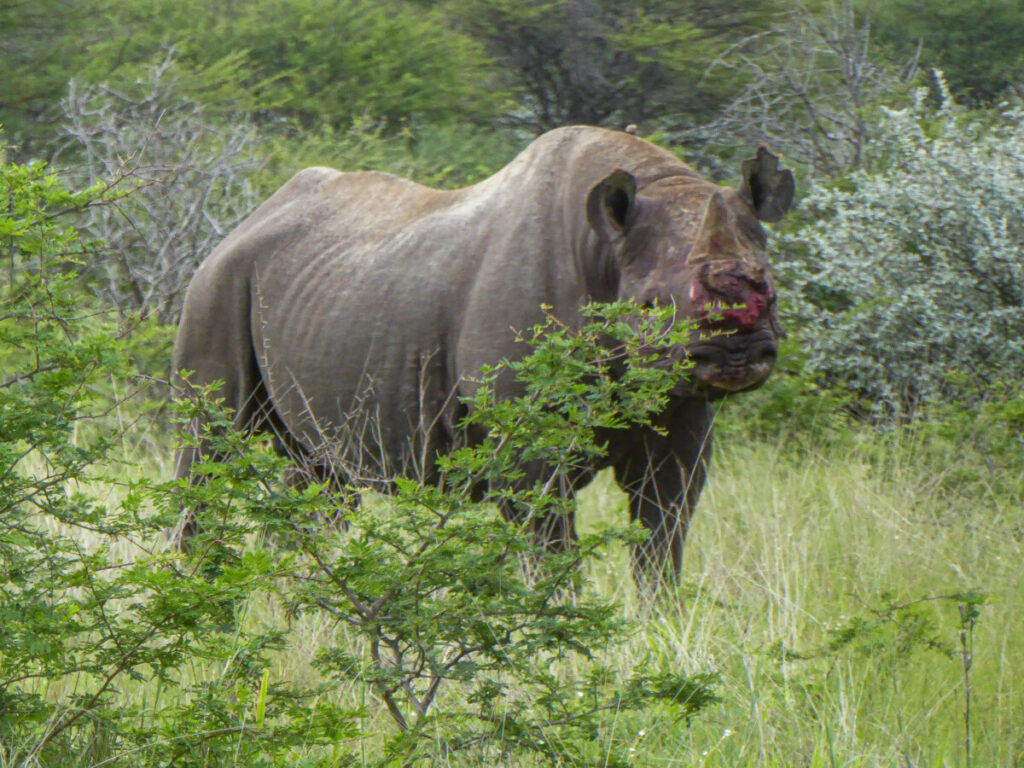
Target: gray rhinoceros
x=350 y=312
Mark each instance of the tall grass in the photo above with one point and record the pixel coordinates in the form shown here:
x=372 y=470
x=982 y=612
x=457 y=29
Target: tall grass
x=821 y=585
x=803 y=572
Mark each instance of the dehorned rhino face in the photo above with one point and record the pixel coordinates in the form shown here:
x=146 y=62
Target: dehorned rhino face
x=684 y=242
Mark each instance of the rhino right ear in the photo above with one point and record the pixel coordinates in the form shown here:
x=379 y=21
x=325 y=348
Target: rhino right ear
x=769 y=190
x=611 y=204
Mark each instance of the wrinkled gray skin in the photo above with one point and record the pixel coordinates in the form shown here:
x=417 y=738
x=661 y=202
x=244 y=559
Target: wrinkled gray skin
x=347 y=313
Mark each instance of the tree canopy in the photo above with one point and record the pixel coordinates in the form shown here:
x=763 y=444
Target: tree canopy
x=978 y=44
x=601 y=62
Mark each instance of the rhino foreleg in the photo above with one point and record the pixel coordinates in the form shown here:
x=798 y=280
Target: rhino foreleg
x=664 y=475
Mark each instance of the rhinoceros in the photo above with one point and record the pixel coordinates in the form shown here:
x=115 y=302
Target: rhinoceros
x=351 y=313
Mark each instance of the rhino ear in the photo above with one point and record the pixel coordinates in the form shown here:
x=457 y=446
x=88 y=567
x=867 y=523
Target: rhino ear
x=769 y=190
x=611 y=203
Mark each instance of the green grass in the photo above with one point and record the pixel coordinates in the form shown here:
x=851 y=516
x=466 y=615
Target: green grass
x=790 y=545
x=793 y=543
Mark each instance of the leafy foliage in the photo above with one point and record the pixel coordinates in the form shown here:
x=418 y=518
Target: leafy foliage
x=437 y=155
x=894 y=629
x=321 y=61
x=44 y=45
x=975 y=42
x=904 y=278
x=577 y=386
x=605 y=63
x=90 y=609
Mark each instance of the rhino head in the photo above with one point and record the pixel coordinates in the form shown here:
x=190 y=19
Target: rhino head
x=684 y=242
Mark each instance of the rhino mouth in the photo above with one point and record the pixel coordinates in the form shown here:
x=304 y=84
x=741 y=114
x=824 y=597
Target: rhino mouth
x=733 y=362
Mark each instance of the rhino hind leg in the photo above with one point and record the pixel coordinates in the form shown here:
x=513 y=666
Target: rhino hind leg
x=254 y=413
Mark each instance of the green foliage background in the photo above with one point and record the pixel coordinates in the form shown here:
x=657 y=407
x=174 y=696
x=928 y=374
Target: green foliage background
x=854 y=567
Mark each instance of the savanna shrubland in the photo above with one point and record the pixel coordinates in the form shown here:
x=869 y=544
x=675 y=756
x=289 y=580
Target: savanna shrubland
x=907 y=281
x=818 y=621
x=843 y=584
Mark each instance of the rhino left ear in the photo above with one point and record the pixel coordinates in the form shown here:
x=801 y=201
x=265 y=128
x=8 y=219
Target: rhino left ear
x=610 y=205
x=769 y=190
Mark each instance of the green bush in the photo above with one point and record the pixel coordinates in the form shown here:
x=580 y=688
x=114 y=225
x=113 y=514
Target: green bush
x=314 y=62
x=904 y=281
x=117 y=650
x=447 y=156
x=976 y=42
x=91 y=611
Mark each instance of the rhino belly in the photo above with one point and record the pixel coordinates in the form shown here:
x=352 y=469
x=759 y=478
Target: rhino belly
x=359 y=384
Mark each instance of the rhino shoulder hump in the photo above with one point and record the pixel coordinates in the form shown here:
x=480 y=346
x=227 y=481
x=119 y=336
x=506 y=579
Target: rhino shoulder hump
x=309 y=178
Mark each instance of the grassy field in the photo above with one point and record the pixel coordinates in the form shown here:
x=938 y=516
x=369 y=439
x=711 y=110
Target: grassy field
x=822 y=586
x=817 y=586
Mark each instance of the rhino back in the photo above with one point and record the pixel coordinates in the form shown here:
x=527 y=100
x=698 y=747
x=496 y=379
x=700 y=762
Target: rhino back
x=373 y=289
x=372 y=297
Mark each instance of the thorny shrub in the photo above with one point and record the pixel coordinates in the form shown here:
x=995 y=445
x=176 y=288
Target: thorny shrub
x=118 y=650
x=191 y=178
x=905 y=281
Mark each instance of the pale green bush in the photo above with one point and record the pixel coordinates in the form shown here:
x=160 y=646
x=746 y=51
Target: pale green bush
x=905 y=277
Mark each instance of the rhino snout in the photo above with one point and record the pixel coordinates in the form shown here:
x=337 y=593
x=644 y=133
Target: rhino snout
x=734 y=362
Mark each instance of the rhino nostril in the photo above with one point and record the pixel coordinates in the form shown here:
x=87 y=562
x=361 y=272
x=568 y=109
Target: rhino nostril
x=763 y=355
x=704 y=356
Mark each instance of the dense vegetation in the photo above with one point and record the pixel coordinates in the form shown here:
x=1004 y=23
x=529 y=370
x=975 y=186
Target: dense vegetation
x=851 y=592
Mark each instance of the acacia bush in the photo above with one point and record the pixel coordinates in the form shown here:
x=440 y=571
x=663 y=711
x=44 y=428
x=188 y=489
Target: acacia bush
x=908 y=284
x=306 y=63
x=100 y=625
x=445 y=156
x=118 y=650
x=975 y=42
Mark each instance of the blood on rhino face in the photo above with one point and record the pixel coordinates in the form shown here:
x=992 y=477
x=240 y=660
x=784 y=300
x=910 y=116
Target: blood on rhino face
x=736 y=342
x=684 y=242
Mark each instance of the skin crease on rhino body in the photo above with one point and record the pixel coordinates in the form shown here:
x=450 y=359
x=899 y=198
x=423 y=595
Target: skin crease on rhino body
x=351 y=311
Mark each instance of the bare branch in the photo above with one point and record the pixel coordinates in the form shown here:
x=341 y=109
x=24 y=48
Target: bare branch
x=809 y=84
x=191 y=186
